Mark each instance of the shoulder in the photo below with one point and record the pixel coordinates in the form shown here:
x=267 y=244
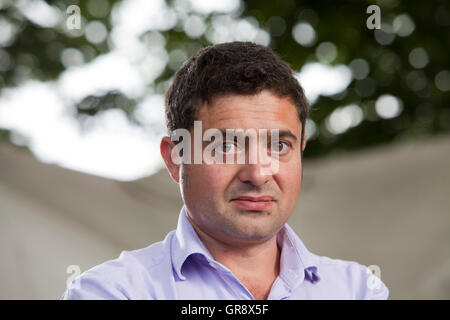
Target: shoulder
x=361 y=281
x=127 y=277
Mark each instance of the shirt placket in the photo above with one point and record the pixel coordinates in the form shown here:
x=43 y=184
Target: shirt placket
x=233 y=283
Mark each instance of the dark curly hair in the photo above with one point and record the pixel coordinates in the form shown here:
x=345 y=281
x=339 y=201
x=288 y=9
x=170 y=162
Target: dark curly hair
x=229 y=68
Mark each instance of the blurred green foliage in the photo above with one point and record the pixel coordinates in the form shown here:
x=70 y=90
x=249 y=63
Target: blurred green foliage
x=35 y=53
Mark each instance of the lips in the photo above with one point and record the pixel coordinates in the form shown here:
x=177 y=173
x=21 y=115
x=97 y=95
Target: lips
x=254 y=203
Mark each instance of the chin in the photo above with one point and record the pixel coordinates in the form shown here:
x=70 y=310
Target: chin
x=254 y=234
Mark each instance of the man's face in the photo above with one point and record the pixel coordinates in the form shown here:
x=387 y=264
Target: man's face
x=211 y=191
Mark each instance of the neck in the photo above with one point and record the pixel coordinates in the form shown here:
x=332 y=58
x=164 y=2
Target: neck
x=248 y=262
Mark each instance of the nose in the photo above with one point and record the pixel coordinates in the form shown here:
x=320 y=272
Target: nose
x=257 y=169
x=254 y=174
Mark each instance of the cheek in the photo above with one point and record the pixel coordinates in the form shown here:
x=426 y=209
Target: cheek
x=209 y=180
x=290 y=179
x=220 y=177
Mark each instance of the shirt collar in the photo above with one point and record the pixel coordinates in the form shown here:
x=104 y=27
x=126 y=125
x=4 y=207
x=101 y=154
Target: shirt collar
x=297 y=263
x=185 y=243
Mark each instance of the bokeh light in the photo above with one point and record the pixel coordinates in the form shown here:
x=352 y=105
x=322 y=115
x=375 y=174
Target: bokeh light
x=388 y=106
x=403 y=25
x=344 y=118
x=96 y=32
x=384 y=36
x=360 y=68
x=304 y=34
x=326 y=52
x=442 y=80
x=418 y=58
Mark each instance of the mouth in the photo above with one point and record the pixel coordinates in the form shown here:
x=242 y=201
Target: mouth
x=254 y=203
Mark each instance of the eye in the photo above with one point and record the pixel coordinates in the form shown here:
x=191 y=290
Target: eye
x=281 y=147
x=228 y=147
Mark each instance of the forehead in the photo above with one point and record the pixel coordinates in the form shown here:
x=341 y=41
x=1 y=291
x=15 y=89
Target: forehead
x=264 y=110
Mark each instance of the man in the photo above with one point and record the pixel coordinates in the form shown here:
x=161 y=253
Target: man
x=232 y=240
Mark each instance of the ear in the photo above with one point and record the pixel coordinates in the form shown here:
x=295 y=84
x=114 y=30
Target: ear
x=166 y=147
x=304 y=142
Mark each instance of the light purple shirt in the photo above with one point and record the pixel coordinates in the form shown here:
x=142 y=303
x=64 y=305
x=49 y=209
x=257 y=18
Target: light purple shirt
x=180 y=267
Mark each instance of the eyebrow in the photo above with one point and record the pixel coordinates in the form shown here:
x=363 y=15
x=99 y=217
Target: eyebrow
x=281 y=133
x=288 y=134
